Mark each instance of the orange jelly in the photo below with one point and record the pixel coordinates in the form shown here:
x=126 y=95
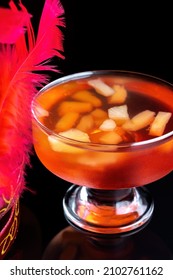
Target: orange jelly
x=105 y=131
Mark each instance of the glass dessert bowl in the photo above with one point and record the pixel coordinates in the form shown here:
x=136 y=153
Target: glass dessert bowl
x=109 y=133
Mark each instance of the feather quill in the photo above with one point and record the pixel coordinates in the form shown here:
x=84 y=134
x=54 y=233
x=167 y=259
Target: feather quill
x=24 y=58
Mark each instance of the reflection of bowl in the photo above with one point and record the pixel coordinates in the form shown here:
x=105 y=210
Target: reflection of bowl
x=104 y=166
x=72 y=245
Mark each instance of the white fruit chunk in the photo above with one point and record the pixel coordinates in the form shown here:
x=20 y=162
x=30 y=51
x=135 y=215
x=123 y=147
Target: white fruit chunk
x=139 y=121
x=58 y=145
x=101 y=87
x=119 y=95
x=119 y=114
x=40 y=111
x=76 y=134
x=158 y=125
x=108 y=125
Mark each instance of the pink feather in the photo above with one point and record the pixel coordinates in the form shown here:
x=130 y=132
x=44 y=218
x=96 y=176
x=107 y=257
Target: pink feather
x=16 y=18
x=23 y=57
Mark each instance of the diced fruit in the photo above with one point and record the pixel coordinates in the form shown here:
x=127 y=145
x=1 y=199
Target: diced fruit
x=87 y=96
x=99 y=113
x=74 y=106
x=58 y=145
x=41 y=112
x=106 y=137
x=57 y=94
x=101 y=88
x=108 y=125
x=86 y=123
x=139 y=121
x=119 y=95
x=99 y=116
x=75 y=134
x=158 y=125
x=119 y=114
x=67 y=121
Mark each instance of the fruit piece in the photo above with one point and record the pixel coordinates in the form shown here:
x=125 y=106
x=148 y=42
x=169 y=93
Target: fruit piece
x=67 y=121
x=119 y=95
x=74 y=106
x=87 y=96
x=110 y=137
x=158 y=125
x=99 y=116
x=58 y=93
x=119 y=114
x=101 y=88
x=58 y=145
x=99 y=113
x=139 y=121
x=75 y=134
x=106 y=137
x=86 y=123
x=40 y=111
x=108 y=125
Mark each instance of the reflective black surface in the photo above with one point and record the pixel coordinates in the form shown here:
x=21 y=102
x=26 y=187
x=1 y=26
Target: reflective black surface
x=101 y=37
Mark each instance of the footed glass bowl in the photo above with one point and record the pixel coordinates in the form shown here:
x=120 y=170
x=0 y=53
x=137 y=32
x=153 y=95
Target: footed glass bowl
x=109 y=133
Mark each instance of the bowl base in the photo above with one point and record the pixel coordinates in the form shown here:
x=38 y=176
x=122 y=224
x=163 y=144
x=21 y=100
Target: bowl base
x=108 y=212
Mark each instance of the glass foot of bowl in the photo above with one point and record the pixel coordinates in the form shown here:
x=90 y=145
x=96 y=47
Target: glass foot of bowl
x=103 y=223
x=108 y=212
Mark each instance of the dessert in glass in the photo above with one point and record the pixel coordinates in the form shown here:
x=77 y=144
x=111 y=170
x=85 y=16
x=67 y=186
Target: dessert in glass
x=109 y=133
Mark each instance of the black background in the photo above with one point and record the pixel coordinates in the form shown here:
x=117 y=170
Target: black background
x=101 y=35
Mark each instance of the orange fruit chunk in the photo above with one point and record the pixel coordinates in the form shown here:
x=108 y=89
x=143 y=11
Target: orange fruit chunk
x=86 y=123
x=58 y=93
x=87 y=96
x=67 y=121
x=106 y=137
x=119 y=96
x=99 y=116
x=74 y=106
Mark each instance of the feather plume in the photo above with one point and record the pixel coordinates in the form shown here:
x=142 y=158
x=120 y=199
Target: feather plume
x=24 y=59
